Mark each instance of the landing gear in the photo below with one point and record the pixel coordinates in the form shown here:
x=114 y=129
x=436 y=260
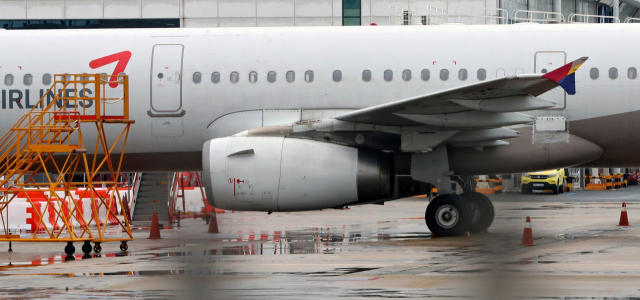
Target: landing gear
x=97 y=248
x=86 y=247
x=448 y=215
x=482 y=210
x=69 y=249
x=124 y=246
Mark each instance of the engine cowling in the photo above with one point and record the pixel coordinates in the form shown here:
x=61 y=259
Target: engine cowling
x=290 y=174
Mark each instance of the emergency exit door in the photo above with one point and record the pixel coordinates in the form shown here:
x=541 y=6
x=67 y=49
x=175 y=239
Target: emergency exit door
x=545 y=62
x=166 y=78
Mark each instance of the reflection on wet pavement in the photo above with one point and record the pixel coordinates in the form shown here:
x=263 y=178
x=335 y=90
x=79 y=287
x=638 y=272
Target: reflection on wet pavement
x=367 y=251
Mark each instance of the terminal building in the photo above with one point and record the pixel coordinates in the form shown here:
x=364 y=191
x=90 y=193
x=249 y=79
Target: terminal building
x=56 y=14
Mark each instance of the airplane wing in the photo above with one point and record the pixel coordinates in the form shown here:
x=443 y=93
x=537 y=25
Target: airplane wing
x=490 y=103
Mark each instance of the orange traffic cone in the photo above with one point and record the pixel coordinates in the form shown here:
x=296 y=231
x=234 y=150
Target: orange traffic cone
x=527 y=236
x=213 y=223
x=154 y=234
x=624 y=220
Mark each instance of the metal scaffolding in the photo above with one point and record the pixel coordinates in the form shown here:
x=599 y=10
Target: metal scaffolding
x=78 y=112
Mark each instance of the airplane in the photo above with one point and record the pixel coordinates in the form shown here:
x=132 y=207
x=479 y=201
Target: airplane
x=295 y=119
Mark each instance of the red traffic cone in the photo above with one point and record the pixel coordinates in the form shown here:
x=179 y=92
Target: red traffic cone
x=624 y=220
x=527 y=236
x=154 y=234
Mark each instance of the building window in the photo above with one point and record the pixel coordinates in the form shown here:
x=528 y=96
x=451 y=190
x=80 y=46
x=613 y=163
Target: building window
x=46 y=79
x=462 y=74
x=337 y=75
x=27 y=80
x=271 y=77
x=406 y=75
x=444 y=74
x=482 y=74
x=425 y=75
x=632 y=73
x=308 y=76
x=388 y=75
x=215 y=77
x=8 y=80
x=90 y=23
x=366 y=75
x=290 y=76
x=613 y=73
x=351 y=12
x=235 y=77
x=594 y=73
x=253 y=77
x=197 y=77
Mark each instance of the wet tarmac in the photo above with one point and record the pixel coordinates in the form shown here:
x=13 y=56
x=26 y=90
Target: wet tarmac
x=363 y=252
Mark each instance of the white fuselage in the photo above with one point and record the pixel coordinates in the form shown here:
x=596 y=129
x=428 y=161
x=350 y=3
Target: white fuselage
x=190 y=107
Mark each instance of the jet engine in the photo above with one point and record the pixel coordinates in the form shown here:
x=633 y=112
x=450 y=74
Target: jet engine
x=292 y=174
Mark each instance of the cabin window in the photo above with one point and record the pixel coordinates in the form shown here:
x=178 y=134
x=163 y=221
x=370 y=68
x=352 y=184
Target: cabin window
x=46 y=79
x=366 y=75
x=271 y=77
x=290 y=76
x=28 y=79
x=215 y=77
x=462 y=74
x=613 y=73
x=482 y=74
x=444 y=74
x=253 y=76
x=594 y=73
x=406 y=75
x=308 y=76
x=8 y=80
x=632 y=73
x=388 y=75
x=544 y=71
x=235 y=77
x=337 y=75
x=197 y=77
x=425 y=75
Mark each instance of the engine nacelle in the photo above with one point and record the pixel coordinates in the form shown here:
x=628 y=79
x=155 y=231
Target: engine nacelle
x=290 y=174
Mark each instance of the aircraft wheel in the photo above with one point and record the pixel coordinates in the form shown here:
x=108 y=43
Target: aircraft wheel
x=482 y=210
x=69 y=249
x=448 y=215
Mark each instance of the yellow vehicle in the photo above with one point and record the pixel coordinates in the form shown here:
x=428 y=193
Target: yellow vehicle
x=543 y=180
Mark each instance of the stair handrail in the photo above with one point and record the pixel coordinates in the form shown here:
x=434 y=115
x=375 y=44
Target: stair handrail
x=137 y=179
x=173 y=196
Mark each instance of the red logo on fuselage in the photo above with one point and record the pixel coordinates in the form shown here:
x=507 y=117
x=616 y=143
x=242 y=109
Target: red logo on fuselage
x=121 y=57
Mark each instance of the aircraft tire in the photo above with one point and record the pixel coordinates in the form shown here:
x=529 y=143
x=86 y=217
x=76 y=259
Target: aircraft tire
x=448 y=215
x=482 y=210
